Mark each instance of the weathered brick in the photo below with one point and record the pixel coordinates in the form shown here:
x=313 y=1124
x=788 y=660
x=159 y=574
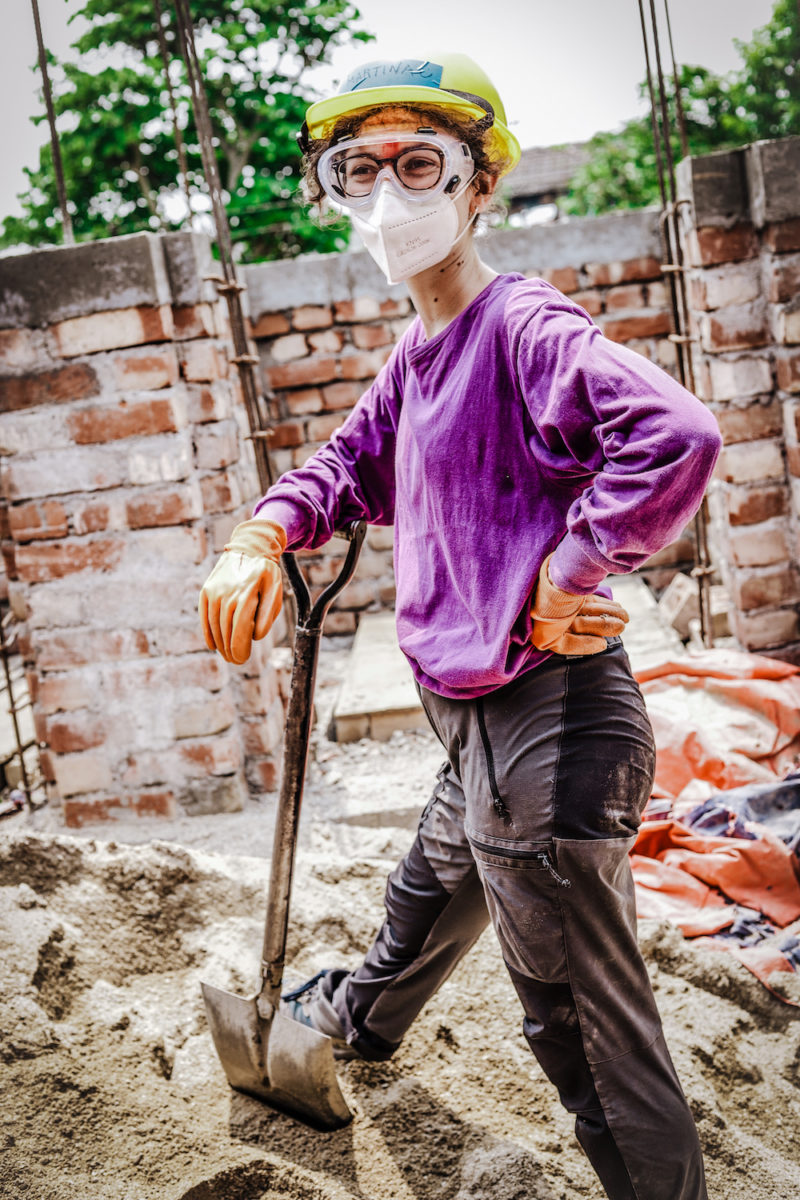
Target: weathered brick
x=86 y=771
x=304 y=400
x=263 y=774
x=629 y=296
x=748 y=462
x=758 y=631
x=728 y=379
x=42 y=519
x=738 y=327
x=751 y=505
x=164 y=506
x=302 y=373
x=319 y=429
x=784 y=278
x=64 y=693
x=605 y=274
x=77 y=813
x=783 y=236
x=210 y=715
x=759 y=545
x=194 y=321
x=216 y=445
x=395 y=308
x=157 y=803
x=368 y=337
x=77 y=381
x=338 y=624
x=563 y=278
x=732 y=283
x=79 y=647
x=45 y=561
x=93 y=516
x=326 y=341
x=270 y=325
x=380 y=537
x=131 y=418
x=312 y=316
x=112 y=329
x=786 y=323
x=749 y=424
x=286 y=349
x=787 y=363
x=364 y=364
x=363 y=308
x=218 y=755
x=793 y=460
x=212 y=403
x=202 y=362
x=76 y=731
x=590 y=301
x=146 y=372
x=18 y=349
x=288 y=433
x=221 y=492
x=643 y=325
x=711 y=245
x=301 y=454
x=767 y=588
x=340 y=395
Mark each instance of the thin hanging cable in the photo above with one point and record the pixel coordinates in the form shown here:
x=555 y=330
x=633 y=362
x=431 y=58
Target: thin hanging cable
x=58 y=168
x=183 y=173
x=229 y=286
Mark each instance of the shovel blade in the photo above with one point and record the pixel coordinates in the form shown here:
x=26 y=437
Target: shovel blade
x=280 y=1061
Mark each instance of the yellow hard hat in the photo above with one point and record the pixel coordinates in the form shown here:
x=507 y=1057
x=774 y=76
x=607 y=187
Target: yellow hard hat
x=453 y=81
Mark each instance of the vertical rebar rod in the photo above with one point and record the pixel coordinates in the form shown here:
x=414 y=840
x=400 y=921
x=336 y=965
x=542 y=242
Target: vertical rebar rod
x=653 y=111
x=662 y=97
x=183 y=173
x=676 y=77
x=58 y=168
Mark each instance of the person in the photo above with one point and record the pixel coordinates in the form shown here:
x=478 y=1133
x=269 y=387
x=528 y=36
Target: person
x=521 y=457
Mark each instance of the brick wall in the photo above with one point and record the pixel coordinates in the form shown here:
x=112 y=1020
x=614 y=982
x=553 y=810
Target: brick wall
x=124 y=467
x=741 y=219
x=324 y=326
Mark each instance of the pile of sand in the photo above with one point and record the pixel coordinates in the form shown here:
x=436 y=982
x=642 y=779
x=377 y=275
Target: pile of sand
x=111 y=1088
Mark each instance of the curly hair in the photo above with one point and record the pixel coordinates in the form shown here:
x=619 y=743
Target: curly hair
x=473 y=133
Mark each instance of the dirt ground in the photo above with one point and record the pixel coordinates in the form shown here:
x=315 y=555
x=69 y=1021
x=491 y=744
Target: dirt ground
x=111 y=1089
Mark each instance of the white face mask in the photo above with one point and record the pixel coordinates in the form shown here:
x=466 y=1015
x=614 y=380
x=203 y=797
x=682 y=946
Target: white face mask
x=404 y=237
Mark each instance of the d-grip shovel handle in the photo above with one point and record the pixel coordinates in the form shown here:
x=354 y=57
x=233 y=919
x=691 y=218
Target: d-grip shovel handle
x=295 y=754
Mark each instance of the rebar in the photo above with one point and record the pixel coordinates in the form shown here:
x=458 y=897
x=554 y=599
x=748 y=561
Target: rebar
x=58 y=167
x=13 y=710
x=183 y=173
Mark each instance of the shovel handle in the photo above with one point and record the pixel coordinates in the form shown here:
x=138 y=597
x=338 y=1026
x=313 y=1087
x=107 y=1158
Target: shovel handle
x=297 y=735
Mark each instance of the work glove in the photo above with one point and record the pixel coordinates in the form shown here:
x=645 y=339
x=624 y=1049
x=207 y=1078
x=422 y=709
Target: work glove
x=242 y=596
x=569 y=624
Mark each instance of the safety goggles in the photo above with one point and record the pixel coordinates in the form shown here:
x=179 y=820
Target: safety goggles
x=418 y=165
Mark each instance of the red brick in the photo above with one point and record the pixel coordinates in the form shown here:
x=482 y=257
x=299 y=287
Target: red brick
x=153 y=804
x=112 y=329
x=289 y=433
x=364 y=365
x=563 y=278
x=204 y=404
x=629 y=296
x=319 y=429
x=592 y=302
x=623 y=329
x=340 y=623
x=310 y=316
x=129 y=419
x=304 y=400
x=167 y=506
x=193 y=321
x=326 y=341
x=745 y=424
x=36 y=564
x=63 y=693
x=301 y=454
x=287 y=349
x=42 y=519
x=784 y=283
x=364 y=308
x=783 y=237
x=793 y=460
x=749 y=506
x=221 y=755
x=221 y=492
x=711 y=246
x=80 y=730
x=9 y=560
x=340 y=395
x=77 y=381
x=17 y=349
x=270 y=325
x=765 y=590
x=77 y=813
x=216 y=445
x=603 y=274
x=203 y=362
x=91 y=516
x=367 y=337
x=788 y=368
x=395 y=308
x=263 y=774
x=76 y=648
x=740 y=327
x=146 y=372
x=302 y=372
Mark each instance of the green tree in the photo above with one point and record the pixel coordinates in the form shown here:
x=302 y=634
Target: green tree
x=117 y=136
x=759 y=100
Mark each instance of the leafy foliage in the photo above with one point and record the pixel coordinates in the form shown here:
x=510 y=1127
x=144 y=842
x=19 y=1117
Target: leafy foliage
x=117 y=138
x=760 y=100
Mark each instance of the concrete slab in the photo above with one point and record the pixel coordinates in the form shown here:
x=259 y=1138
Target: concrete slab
x=378 y=694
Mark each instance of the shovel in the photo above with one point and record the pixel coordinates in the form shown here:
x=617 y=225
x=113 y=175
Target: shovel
x=264 y=1053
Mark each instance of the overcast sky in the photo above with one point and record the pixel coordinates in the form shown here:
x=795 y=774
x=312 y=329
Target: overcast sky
x=564 y=69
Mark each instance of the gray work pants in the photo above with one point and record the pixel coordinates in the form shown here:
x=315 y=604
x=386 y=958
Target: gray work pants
x=532 y=820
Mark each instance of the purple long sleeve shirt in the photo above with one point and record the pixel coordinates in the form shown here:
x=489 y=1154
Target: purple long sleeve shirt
x=516 y=431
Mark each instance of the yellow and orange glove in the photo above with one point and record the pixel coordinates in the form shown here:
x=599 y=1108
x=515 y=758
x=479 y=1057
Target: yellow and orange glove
x=242 y=596
x=569 y=624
